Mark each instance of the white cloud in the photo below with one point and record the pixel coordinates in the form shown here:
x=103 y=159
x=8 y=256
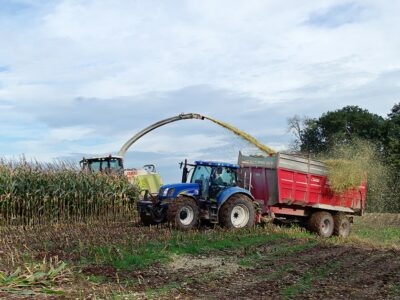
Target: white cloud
x=73 y=133
x=119 y=48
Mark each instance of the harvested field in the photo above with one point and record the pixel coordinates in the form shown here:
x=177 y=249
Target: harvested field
x=124 y=261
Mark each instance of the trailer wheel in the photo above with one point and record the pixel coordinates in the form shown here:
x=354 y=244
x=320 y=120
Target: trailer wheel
x=341 y=225
x=237 y=212
x=183 y=213
x=321 y=223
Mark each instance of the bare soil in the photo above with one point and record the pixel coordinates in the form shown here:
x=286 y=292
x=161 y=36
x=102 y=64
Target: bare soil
x=362 y=274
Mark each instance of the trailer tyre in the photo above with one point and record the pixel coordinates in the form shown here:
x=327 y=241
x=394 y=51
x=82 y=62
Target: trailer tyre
x=321 y=223
x=342 y=225
x=183 y=213
x=238 y=212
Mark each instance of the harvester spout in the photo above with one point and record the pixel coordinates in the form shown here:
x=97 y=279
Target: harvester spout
x=145 y=131
x=190 y=116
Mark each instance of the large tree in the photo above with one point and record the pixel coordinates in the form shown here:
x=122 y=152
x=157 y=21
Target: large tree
x=339 y=126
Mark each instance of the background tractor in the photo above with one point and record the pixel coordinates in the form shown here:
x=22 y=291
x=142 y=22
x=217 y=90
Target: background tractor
x=146 y=178
x=212 y=195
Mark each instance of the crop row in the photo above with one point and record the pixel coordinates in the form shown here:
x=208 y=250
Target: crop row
x=36 y=193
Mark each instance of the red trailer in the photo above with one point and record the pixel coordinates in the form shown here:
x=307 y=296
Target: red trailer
x=288 y=186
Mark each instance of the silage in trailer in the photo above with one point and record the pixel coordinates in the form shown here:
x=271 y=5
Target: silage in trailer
x=46 y=193
x=349 y=165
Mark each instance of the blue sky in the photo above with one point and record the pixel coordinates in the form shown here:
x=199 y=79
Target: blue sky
x=81 y=77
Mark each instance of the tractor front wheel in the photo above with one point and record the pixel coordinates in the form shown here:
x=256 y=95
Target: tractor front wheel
x=183 y=213
x=238 y=212
x=321 y=223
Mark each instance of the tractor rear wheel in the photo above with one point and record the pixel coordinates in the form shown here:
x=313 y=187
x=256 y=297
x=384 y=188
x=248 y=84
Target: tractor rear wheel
x=238 y=212
x=183 y=213
x=341 y=225
x=321 y=223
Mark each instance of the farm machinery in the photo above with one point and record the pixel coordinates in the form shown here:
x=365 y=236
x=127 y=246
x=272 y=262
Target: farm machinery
x=285 y=187
x=212 y=194
x=146 y=178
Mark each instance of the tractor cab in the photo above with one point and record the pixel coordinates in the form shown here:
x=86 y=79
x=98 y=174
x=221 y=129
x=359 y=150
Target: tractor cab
x=209 y=179
x=103 y=164
x=213 y=178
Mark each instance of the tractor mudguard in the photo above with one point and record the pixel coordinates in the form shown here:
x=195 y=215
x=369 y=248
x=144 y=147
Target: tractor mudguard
x=226 y=194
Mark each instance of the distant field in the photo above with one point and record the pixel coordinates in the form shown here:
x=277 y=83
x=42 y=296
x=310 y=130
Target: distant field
x=383 y=229
x=124 y=261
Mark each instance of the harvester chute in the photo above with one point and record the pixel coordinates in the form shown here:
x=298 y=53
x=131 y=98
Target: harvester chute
x=156 y=125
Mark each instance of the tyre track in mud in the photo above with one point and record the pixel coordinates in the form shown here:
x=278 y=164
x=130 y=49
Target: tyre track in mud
x=358 y=273
x=371 y=277
x=262 y=280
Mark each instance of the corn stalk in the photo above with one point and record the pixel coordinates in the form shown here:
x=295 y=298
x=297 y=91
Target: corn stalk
x=47 y=193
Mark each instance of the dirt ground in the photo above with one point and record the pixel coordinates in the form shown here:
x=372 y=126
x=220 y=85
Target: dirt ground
x=351 y=273
x=331 y=272
x=265 y=263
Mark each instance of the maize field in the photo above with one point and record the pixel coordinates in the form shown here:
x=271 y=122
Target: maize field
x=34 y=193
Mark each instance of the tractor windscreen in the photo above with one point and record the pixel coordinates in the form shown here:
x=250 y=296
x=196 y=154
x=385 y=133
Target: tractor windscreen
x=95 y=166
x=115 y=164
x=105 y=165
x=201 y=173
x=223 y=176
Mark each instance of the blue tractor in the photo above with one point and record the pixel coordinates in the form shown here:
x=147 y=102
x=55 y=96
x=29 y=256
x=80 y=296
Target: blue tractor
x=213 y=195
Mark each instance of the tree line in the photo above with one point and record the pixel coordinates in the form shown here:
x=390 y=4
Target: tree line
x=319 y=136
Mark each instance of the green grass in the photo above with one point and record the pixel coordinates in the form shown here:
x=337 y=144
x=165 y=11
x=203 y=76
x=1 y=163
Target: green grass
x=199 y=243
x=126 y=257
x=395 y=290
x=305 y=282
x=254 y=258
x=389 y=235
x=97 y=279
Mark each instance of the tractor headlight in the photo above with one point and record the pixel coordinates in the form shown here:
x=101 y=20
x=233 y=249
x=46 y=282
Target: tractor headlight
x=165 y=192
x=170 y=192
